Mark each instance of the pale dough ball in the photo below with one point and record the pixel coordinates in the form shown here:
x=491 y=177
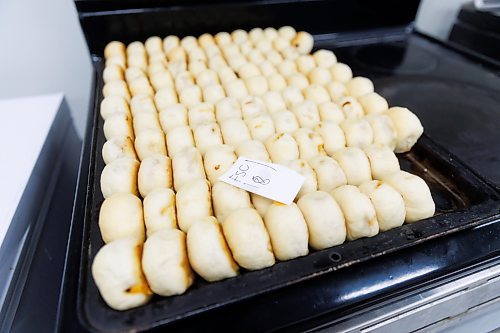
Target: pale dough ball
x=193 y=202
x=121 y=217
x=388 y=204
x=179 y=139
x=208 y=252
x=155 y=172
x=206 y=39
x=281 y=43
x=383 y=129
x=196 y=54
x=201 y=114
x=189 y=43
x=248 y=70
x=408 y=128
x=196 y=67
x=153 y=44
x=297 y=80
x=282 y=148
x=287 y=32
x=114 y=105
x=170 y=42
x=341 y=72
x=273 y=101
x=287 y=68
x=292 y=96
x=112 y=72
x=270 y=33
x=261 y=127
x=187 y=165
x=357 y=132
x=118 y=147
x=161 y=79
x=119 y=176
x=226 y=74
x=236 y=89
x=329 y=111
x=118 y=60
x=213 y=93
x=373 y=103
x=351 y=107
x=142 y=104
x=260 y=203
x=217 y=160
x=303 y=168
x=316 y=93
x=276 y=82
x=288 y=231
x=138 y=60
x=165 y=97
x=245 y=47
x=360 y=216
x=285 y=122
x=359 y=86
x=290 y=53
x=146 y=121
x=212 y=50
x=239 y=36
x=256 y=34
x=206 y=78
x=320 y=75
x=274 y=57
x=223 y=38
x=332 y=135
x=191 y=96
x=307 y=113
x=309 y=142
x=248 y=239
x=303 y=42
x=416 y=194
x=267 y=68
x=173 y=116
x=183 y=81
x=256 y=85
x=325 y=58
x=227 y=108
x=383 y=161
x=117 y=272
x=234 y=131
x=118 y=125
x=150 y=142
x=324 y=218
x=177 y=67
x=252 y=106
x=116 y=88
x=305 y=64
x=217 y=62
x=236 y=62
x=165 y=263
x=206 y=136
x=114 y=48
x=255 y=56
x=355 y=165
x=328 y=172
x=253 y=149
x=264 y=45
x=228 y=198
x=156 y=67
x=336 y=90
x=176 y=54
x=159 y=211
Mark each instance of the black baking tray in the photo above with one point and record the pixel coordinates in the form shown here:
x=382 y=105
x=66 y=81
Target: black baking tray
x=463 y=200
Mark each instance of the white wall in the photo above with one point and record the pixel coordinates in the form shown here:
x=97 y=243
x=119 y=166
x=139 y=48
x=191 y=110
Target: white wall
x=43 y=51
x=436 y=17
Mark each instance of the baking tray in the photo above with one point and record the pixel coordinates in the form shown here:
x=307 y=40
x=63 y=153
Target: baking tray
x=463 y=200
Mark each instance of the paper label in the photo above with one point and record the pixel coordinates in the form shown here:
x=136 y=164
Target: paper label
x=269 y=180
